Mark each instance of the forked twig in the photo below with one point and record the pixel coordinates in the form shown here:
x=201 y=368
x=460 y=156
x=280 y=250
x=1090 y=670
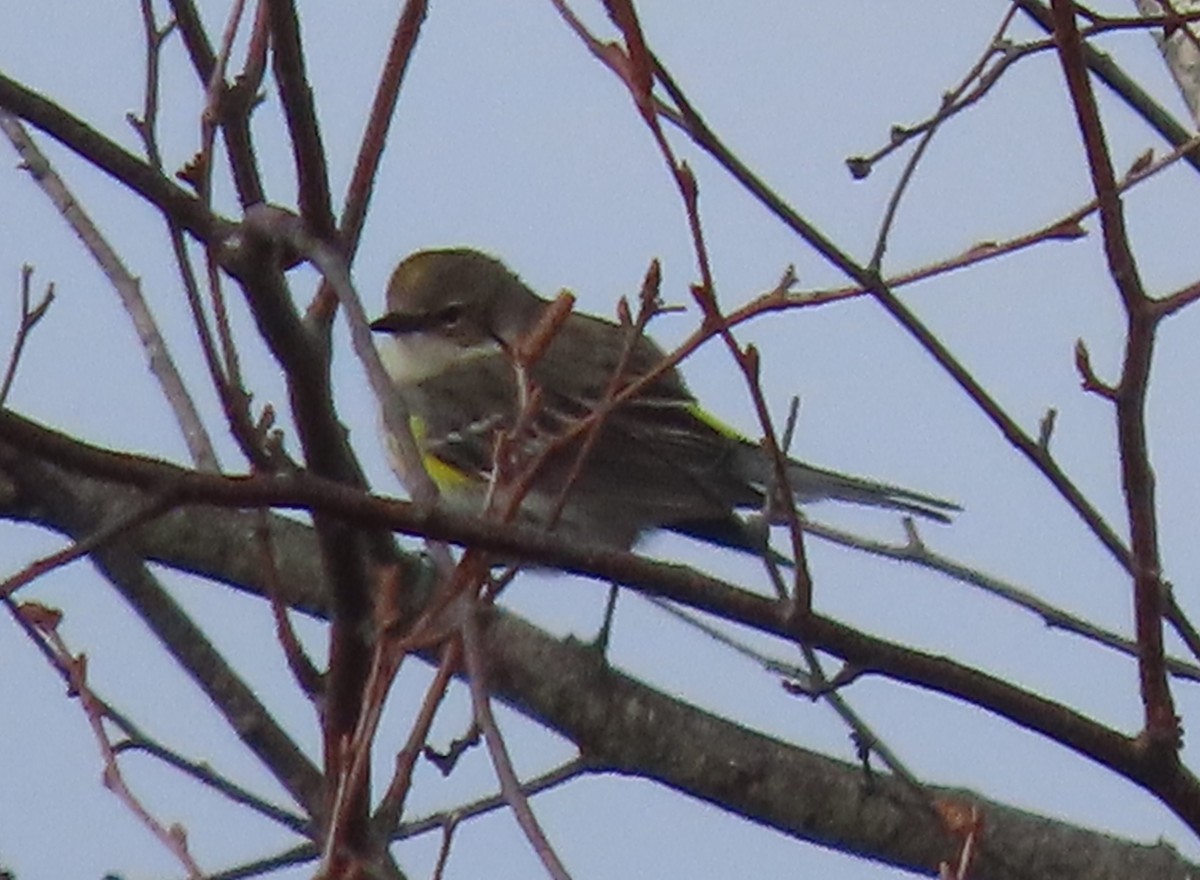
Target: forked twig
x=30 y=315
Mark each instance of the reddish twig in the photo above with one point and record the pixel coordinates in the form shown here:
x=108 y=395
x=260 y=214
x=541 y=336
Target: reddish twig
x=438 y=821
x=530 y=349
x=237 y=102
x=137 y=740
x=374 y=139
x=638 y=68
x=389 y=653
x=1087 y=376
x=1169 y=20
x=226 y=378
x=383 y=107
x=304 y=671
x=960 y=99
x=1007 y=54
x=226 y=373
x=949 y=100
x=391 y=805
x=350 y=783
x=73 y=668
x=877 y=287
x=448 y=828
x=1180 y=299
x=1162 y=732
x=137 y=516
x=1111 y=74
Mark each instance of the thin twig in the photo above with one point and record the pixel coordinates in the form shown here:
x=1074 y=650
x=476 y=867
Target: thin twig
x=136 y=516
x=232 y=395
x=202 y=771
x=877 y=287
x=308 y=852
x=985 y=78
x=918 y=553
x=950 y=99
x=370 y=151
x=127 y=287
x=1162 y=730
x=509 y=784
x=138 y=740
x=304 y=671
x=1111 y=74
x=637 y=68
x=297 y=101
x=391 y=805
x=30 y=315
x=74 y=669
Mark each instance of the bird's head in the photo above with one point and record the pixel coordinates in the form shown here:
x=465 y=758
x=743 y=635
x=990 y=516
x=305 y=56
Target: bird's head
x=448 y=306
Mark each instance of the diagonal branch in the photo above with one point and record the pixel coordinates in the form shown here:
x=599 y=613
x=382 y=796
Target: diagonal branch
x=1111 y=74
x=127 y=287
x=873 y=284
x=129 y=171
x=250 y=720
x=370 y=151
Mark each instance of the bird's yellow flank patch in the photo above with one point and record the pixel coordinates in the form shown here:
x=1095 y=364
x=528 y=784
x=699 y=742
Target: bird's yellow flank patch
x=445 y=476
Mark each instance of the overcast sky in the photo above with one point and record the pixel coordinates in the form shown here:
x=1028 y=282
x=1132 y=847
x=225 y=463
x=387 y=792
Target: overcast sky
x=510 y=137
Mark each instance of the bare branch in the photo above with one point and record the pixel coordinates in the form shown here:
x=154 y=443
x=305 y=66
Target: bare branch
x=691 y=588
x=1162 y=731
x=73 y=668
x=128 y=288
x=510 y=786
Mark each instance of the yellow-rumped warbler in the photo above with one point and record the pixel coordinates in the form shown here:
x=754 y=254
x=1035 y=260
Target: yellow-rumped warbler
x=455 y=319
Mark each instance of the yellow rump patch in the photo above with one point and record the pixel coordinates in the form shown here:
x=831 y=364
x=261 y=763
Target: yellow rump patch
x=713 y=422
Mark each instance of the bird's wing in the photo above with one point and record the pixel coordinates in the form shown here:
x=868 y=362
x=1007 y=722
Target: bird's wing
x=458 y=414
x=658 y=449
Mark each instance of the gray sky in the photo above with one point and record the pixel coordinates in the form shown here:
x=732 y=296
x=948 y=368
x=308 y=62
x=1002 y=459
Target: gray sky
x=511 y=138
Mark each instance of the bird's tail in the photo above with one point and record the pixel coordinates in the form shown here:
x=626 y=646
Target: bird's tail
x=809 y=483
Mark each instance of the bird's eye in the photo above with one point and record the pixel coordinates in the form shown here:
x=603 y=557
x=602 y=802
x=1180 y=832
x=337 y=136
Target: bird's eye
x=450 y=315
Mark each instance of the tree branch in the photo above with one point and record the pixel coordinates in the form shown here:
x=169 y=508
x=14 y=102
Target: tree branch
x=628 y=728
x=1179 y=791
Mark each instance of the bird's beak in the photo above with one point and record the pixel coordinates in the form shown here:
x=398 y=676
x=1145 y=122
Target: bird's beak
x=396 y=323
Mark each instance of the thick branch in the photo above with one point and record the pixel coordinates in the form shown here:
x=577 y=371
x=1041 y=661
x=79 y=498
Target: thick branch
x=51 y=495
x=77 y=136
x=1119 y=753
x=296 y=98
x=626 y=727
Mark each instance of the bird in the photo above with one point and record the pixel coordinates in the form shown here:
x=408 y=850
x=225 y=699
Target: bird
x=480 y=410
